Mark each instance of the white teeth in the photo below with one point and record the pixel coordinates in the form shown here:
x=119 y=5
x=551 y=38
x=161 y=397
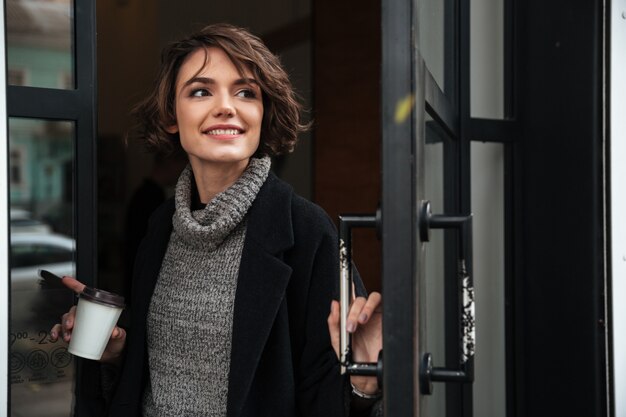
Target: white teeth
x=223 y=132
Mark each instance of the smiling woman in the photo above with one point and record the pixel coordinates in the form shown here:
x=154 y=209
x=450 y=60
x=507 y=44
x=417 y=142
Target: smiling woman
x=218 y=119
x=234 y=280
x=281 y=122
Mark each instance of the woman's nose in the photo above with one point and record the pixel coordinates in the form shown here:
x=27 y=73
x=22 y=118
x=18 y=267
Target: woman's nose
x=224 y=107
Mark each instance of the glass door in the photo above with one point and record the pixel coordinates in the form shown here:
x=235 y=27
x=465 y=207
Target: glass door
x=618 y=201
x=50 y=143
x=428 y=322
x=4 y=225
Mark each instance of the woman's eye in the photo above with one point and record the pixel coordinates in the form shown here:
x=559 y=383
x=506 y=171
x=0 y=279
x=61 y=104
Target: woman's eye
x=199 y=92
x=246 y=93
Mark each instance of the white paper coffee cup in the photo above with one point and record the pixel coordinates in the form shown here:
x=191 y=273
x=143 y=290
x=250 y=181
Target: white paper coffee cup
x=96 y=315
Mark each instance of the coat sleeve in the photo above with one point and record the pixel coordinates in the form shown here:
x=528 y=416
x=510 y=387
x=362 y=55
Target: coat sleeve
x=321 y=389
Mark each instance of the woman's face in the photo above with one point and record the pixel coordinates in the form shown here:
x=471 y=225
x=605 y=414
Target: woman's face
x=218 y=112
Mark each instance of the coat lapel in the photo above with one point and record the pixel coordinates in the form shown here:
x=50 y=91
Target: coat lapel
x=148 y=270
x=263 y=279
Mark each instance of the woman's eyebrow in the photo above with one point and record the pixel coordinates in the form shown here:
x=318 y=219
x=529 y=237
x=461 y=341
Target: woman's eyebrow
x=207 y=80
x=246 y=81
x=201 y=80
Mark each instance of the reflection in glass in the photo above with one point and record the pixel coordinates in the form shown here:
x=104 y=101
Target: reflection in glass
x=431 y=37
x=41 y=155
x=39 y=43
x=487 y=59
x=488 y=207
x=434 y=273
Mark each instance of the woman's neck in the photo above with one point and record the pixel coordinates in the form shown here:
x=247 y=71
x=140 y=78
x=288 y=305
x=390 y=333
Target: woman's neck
x=211 y=178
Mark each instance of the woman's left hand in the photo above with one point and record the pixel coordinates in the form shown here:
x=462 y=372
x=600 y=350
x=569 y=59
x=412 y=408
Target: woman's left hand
x=365 y=323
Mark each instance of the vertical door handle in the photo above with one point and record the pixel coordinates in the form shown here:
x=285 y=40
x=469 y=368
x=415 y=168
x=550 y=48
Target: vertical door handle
x=346 y=224
x=467 y=336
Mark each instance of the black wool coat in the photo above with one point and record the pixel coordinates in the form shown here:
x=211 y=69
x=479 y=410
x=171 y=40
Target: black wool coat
x=282 y=362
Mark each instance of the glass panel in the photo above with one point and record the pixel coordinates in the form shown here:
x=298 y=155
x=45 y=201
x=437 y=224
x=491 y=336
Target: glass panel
x=41 y=155
x=431 y=39
x=487 y=59
x=617 y=193
x=434 y=260
x=487 y=161
x=40 y=43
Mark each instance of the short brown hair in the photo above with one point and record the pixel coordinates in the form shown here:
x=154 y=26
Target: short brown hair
x=281 y=109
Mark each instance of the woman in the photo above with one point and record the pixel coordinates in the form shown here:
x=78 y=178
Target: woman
x=233 y=281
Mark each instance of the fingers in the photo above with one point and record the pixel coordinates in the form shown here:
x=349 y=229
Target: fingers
x=354 y=313
x=67 y=324
x=64 y=329
x=118 y=333
x=360 y=313
x=55 y=332
x=361 y=310
x=73 y=284
x=114 y=348
x=373 y=302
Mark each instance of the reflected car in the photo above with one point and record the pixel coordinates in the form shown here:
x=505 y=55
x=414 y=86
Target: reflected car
x=41 y=371
x=31 y=252
x=23 y=222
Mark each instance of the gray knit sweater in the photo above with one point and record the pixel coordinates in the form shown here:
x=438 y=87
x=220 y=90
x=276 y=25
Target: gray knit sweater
x=191 y=311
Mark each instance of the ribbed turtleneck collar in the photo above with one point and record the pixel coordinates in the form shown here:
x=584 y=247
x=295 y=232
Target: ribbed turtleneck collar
x=207 y=228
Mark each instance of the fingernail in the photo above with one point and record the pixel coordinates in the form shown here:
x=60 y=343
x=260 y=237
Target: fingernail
x=363 y=317
x=53 y=335
x=67 y=322
x=351 y=327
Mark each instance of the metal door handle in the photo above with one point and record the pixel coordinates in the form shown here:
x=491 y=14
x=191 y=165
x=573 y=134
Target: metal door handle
x=346 y=224
x=465 y=371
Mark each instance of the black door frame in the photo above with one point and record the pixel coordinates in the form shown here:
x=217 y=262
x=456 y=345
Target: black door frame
x=80 y=106
x=400 y=342
x=77 y=105
x=553 y=55
x=404 y=72
x=539 y=57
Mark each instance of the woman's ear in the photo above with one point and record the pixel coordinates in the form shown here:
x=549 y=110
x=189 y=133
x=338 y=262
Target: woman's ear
x=173 y=129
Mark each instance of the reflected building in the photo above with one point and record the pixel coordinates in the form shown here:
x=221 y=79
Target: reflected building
x=39 y=54
x=41 y=169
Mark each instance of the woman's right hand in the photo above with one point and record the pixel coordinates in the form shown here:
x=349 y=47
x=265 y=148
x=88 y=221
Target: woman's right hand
x=117 y=342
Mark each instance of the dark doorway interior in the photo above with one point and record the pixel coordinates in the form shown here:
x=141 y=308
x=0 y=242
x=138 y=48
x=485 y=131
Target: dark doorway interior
x=560 y=239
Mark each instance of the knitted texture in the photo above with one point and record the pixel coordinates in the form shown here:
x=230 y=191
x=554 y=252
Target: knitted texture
x=191 y=312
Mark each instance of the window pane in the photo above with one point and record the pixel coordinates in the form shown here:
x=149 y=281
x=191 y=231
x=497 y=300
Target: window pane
x=42 y=237
x=431 y=41
x=488 y=252
x=617 y=231
x=487 y=59
x=40 y=43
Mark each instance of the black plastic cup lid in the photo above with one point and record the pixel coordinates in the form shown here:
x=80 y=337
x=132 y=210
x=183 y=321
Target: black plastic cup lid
x=102 y=297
